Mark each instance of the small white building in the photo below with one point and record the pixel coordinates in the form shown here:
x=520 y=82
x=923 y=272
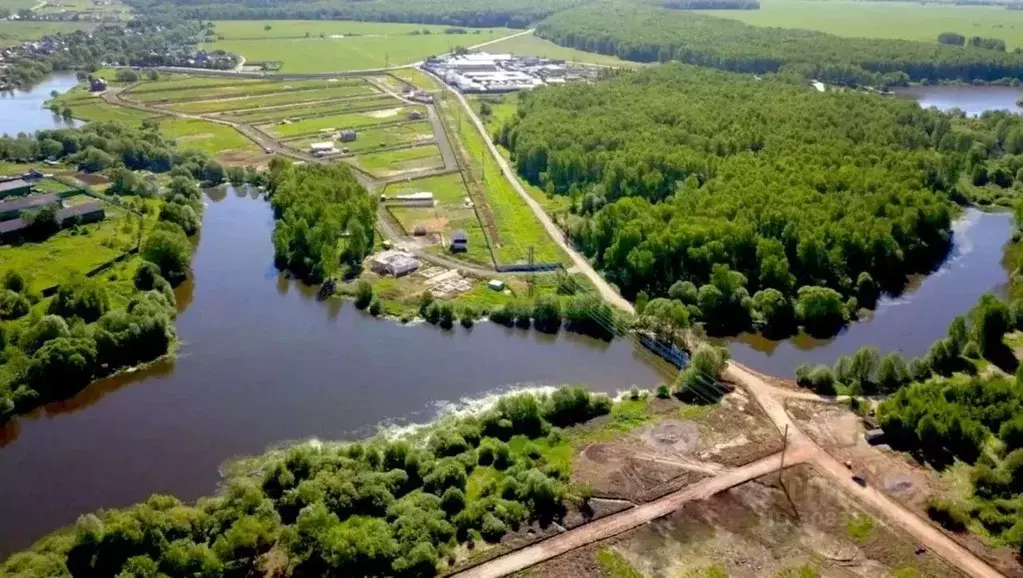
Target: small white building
x=322 y=148
x=420 y=199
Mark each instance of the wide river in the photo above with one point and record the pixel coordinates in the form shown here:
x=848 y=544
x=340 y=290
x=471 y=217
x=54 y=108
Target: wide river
x=22 y=110
x=263 y=361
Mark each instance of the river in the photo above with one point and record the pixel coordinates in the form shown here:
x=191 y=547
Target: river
x=264 y=361
x=23 y=111
x=972 y=100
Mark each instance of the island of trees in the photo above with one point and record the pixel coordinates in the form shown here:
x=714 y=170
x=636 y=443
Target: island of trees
x=651 y=34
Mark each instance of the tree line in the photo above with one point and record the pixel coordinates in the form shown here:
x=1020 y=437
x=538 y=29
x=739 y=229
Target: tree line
x=324 y=219
x=749 y=202
x=650 y=34
x=956 y=39
x=380 y=507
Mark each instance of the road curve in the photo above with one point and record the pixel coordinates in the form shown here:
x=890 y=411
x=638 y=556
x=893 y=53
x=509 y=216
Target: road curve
x=624 y=521
x=578 y=261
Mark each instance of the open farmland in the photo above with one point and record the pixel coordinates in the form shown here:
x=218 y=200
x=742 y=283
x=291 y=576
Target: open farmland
x=209 y=137
x=13 y=31
x=337 y=106
x=284 y=97
x=372 y=139
x=330 y=46
x=905 y=20
x=156 y=94
x=453 y=210
x=395 y=162
x=340 y=121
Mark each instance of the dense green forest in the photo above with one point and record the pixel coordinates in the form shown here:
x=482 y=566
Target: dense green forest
x=376 y=508
x=52 y=347
x=749 y=201
x=650 y=34
x=324 y=218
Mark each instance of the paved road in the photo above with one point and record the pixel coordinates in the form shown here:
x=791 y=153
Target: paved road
x=578 y=261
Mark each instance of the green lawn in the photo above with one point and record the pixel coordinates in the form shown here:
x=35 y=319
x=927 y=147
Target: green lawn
x=449 y=213
x=15 y=31
x=340 y=121
x=114 y=9
x=280 y=98
x=909 y=20
x=517 y=226
x=343 y=45
x=180 y=90
x=389 y=163
x=46 y=263
x=208 y=137
x=417 y=78
x=529 y=45
x=330 y=107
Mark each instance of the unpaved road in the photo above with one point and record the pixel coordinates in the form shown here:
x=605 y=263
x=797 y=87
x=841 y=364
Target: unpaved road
x=580 y=263
x=629 y=519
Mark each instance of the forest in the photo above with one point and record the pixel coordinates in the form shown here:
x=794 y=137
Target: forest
x=381 y=507
x=52 y=347
x=324 y=219
x=752 y=202
x=650 y=34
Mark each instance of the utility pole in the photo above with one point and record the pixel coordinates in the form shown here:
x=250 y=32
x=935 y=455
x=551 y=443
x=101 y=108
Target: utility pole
x=483 y=167
x=532 y=276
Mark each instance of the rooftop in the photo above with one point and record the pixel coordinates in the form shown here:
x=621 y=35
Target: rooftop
x=31 y=201
x=14 y=185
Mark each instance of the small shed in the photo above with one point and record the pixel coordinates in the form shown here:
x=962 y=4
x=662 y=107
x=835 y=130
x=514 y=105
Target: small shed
x=15 y=187
x=347 y=135
x=414 y=115
x=459 y=241
x=875 y=437
x=496 y=284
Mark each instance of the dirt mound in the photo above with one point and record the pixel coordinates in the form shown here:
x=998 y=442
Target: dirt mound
x=679 y=436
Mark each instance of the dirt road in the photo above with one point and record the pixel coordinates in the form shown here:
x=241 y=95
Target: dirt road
x=624 y=521
x=578 y=261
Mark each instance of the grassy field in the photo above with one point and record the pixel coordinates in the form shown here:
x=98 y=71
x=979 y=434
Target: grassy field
x=518 y=229
x=530 y=45
x=208 y=137
x=449 y=213
x=907 y=20
x=417 y=78
x=47 y=263
x=340 y=121
x=280 y=98
x=112 y=9
x=14 y=31
x=337 y=106
x=155 y=93
x=389 y=163
x=375 y=138
x=328 y=46
x=85 y=106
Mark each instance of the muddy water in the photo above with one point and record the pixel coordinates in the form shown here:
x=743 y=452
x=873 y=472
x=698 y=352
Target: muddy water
x=909 y=322
x=264 y=361
x=22 y=110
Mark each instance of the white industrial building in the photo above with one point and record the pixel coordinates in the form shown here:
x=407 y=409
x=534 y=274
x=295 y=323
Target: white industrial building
x=483 y=72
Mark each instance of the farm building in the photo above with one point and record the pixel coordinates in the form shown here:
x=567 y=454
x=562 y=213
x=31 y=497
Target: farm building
x=459 y=241
x=84 y=213
x=15 y=187
x=322 y=148
x=396 y=263
x=12 y=208
x=422 y=199
x=347 y=135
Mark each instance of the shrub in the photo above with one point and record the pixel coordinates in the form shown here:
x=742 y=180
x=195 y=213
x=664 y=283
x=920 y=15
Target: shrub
x=363 y=294
x=375 y=307
x=822 y=380
x=663 y=391
x=949 y=514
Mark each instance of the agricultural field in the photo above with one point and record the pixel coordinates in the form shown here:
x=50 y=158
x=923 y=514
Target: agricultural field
x=213 y=88
x=212 y=138
x=530 y=45
x=517 y=228
x=341 y=121
x=102 y=8
x=417 y=78
x=907 y=20
x=338 y=106
x=284 y=97
x=395 y=162
x=376 y=138
x=12 y=32
x=329 y=46
x=453 y=210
